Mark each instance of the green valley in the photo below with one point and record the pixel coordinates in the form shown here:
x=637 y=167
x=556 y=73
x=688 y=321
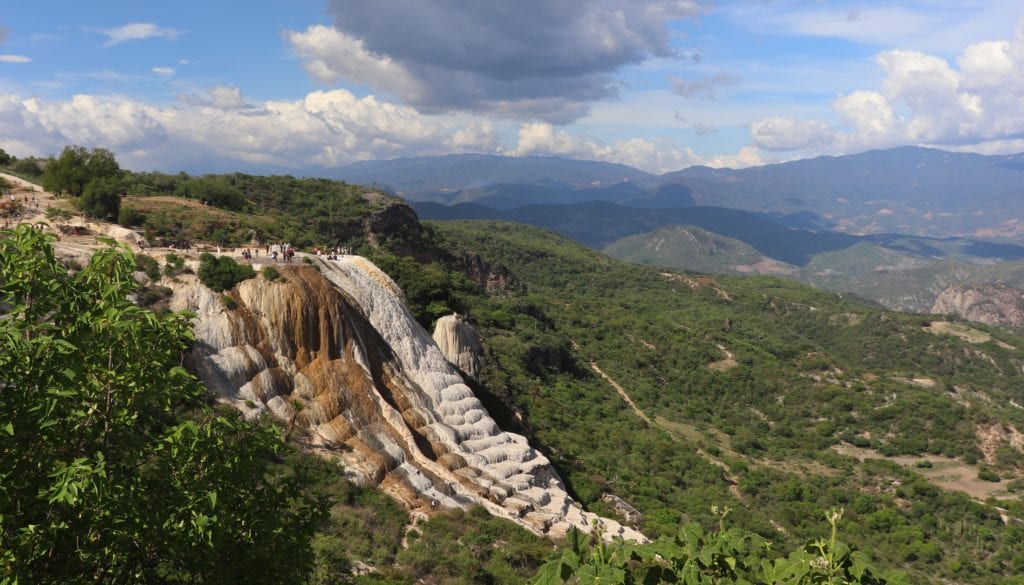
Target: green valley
x=812 y=371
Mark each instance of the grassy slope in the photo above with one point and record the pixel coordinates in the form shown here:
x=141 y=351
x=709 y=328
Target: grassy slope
x=811 y=369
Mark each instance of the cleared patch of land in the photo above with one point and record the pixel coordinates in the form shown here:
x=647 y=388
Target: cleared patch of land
x=724 y=364
x=968 y=334
x=945 y=472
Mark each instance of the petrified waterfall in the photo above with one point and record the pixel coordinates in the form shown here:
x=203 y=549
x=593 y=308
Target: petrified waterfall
x=459 y=341
x=337 y=354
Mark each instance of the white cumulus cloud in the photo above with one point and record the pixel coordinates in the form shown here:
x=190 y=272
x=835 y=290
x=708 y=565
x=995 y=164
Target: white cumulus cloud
x=136 y=31
x=657 y=156
x=780 y=133
x=14 y=59
x=221 y=131
x=975 y=103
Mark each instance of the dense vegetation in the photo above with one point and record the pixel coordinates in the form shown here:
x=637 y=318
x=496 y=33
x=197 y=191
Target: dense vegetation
x=93 y=177
x=745 y=386
x=222 y=272
x=809 y=370
x=112 y=467
x=721 y=557
x=236 y=209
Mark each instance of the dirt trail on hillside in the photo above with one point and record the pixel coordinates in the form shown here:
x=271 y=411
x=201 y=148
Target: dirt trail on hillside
x=730 y=479
x=622 y=392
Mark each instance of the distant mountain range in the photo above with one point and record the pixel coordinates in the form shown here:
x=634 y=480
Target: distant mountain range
x=781 y=237
x=899 y=271
x=911 y=190
x=441 y=178
x=896 y=226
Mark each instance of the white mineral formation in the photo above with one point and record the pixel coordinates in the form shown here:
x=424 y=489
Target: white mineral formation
x=459 y=341
x=337 y=355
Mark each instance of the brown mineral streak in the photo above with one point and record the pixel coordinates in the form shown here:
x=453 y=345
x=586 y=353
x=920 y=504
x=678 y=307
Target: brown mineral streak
x=357 y=401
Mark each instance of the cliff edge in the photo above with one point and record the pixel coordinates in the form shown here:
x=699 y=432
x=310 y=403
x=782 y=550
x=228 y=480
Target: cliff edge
x=333 y=350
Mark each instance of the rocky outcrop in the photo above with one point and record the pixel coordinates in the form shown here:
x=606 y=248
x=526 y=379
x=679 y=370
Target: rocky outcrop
x=393 y=221
x=336 y=353
x=491 y=277
x=459 y=340
x=989 y=303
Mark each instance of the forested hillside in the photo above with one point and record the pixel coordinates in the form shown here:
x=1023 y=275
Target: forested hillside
x=661 y=397
x=757 y=392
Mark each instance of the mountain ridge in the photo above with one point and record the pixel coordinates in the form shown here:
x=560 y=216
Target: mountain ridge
x=913 y=190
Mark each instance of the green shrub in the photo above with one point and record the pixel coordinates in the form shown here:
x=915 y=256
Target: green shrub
x=986 y=474
x=174 y=264
x=222 y=273
x=229 y=302
x=213 y=190
x=58 y=214
x=151 y=295
x=149 y=265
x=129 y=216
x=28 y=167
x=270 y=273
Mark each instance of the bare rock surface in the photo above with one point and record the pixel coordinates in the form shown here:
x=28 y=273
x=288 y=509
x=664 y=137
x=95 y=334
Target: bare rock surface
x=459 y=341
x=337 y=355
x=332 y=350
x=988 y=303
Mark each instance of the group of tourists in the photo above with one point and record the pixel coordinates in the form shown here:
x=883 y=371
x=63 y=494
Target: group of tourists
x=285 y=251
x=332 y=254
x=13 y=209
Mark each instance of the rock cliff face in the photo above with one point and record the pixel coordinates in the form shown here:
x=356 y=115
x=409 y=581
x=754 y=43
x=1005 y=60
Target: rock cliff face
x=492 y=277
x=459 y=341
x=992 y=304
x=338 y=355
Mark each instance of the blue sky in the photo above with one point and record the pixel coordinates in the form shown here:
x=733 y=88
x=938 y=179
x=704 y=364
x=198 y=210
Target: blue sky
x=304 y=85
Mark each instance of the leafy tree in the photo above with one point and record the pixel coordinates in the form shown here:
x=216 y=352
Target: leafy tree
x=102 y=198
x=76 y=167
x=27 y=167
x=112 y=469
x=6 y=159
x=222 y=273
x=214 y=191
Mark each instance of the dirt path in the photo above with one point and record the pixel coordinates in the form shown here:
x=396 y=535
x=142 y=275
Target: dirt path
x=621 y=391
x=666 y=426
x=725 y=364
